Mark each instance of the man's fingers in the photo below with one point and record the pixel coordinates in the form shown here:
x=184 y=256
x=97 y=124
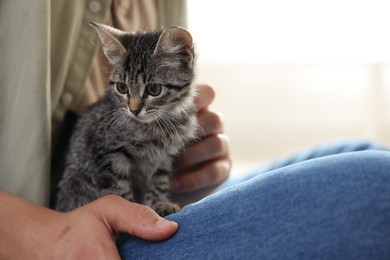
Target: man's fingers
x=210 y=123
x=205 y=96
x=212 y=147
x=121 y=215
x=209 y=175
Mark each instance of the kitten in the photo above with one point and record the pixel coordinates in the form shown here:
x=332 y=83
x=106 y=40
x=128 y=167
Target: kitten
x=126 y=142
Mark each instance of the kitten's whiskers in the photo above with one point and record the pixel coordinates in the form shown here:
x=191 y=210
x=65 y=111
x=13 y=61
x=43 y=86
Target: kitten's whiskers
x=111 y=111
x=115 y=115
x=171 y=118
x=170 y=126
x=121 y=115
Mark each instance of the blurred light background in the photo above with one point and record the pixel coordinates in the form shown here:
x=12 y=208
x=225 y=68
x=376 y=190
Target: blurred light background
x=290 y=74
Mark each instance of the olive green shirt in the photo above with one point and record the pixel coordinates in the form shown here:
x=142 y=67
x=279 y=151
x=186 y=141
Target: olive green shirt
x=46 y=50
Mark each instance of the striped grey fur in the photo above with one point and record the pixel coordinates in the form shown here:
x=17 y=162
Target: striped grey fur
x=126 y=142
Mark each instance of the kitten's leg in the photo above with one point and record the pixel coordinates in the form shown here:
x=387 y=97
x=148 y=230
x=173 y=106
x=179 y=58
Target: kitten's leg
x=113 y=175
x=157 y=197
x=110 y=183
x=74 y=191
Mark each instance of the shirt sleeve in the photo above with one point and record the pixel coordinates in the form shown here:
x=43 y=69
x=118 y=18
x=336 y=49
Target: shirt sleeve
x=25 y=99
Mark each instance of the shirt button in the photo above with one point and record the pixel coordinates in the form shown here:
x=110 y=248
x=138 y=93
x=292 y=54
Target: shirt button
x=67 y=98
x=94 y=6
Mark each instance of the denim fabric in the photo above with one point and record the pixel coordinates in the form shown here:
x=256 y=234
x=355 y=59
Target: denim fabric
x=330 y=148
x=330 y=207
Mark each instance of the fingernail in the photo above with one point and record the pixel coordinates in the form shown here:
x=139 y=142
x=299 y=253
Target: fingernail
x=164 y=224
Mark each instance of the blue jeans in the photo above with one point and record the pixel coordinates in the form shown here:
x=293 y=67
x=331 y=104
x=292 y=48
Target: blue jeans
x=332 y=202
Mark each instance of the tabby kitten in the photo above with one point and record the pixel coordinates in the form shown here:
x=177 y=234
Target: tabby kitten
x=126 y=142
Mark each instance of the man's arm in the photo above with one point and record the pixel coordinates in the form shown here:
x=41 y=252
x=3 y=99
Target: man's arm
x=29 y=231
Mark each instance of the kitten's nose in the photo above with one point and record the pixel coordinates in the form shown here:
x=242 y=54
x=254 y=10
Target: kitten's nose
x=136 y=111
x=135 y=106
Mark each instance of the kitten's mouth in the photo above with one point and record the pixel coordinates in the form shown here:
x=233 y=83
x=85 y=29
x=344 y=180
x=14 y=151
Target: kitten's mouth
x=141 y=118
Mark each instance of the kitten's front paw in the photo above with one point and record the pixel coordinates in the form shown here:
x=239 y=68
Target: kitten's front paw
x=165 y=209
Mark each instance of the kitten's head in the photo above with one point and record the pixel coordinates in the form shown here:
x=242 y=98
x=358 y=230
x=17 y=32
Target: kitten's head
x=151 y=72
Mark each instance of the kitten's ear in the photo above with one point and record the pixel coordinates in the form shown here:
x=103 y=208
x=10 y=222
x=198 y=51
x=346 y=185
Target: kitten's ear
x=110 y=37
x=176 y=46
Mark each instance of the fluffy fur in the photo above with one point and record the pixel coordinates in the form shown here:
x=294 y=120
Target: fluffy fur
x=126 y=142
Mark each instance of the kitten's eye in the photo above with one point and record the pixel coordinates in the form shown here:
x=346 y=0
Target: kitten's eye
x=153 y=89
x=121 y=87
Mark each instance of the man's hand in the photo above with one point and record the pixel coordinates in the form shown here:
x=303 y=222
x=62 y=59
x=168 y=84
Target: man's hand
x=207 y=163
x=29 y=231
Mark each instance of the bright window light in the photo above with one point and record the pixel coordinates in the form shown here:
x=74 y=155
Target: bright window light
x=263 y=31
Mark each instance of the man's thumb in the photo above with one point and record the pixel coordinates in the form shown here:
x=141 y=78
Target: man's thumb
x=138 y=220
